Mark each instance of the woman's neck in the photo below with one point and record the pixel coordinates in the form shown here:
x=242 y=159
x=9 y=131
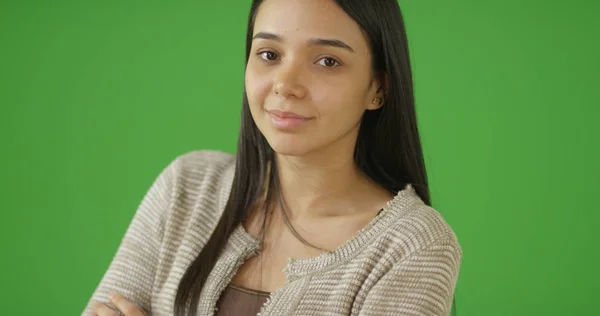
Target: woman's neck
x=324 y=185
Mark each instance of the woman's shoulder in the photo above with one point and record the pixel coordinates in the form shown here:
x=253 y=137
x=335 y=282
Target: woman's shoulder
x=427 y=224
x=417 y=227
x=198 y=165
x=201 y=175
x=204 y=160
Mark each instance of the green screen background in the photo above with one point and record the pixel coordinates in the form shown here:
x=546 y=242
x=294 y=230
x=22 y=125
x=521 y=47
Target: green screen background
x=97 y=97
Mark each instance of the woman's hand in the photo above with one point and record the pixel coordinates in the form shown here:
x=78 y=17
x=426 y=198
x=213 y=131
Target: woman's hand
x=126 y=307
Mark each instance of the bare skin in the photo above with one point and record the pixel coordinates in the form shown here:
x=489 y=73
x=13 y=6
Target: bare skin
x=264 y=271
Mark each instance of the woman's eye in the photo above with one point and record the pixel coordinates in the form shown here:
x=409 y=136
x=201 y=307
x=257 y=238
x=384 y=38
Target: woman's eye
x=268 y=55
x=328 y=62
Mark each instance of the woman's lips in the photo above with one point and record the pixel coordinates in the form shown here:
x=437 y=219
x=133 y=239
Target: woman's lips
x=287 y=120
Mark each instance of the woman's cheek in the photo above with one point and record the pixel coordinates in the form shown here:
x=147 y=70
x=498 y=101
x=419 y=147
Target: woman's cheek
x=257 y=88
x=327 y=100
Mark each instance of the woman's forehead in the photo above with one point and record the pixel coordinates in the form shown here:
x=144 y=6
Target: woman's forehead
x=306 y=20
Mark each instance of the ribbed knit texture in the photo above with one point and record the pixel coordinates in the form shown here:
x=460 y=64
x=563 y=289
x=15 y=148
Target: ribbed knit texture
x=404 y=262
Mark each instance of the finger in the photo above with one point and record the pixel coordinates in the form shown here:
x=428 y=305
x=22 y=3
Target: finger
x=100 y=309
x=124 y=305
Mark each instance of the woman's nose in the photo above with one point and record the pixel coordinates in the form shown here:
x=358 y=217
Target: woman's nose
x=288 y=81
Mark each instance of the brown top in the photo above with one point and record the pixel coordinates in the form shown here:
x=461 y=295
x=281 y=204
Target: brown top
x=241 y=301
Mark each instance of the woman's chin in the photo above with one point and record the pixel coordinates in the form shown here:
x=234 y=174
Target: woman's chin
x=288 y=151
x=288 y=147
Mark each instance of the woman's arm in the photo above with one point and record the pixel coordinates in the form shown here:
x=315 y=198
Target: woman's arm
x=131 y=272
x=421 y=284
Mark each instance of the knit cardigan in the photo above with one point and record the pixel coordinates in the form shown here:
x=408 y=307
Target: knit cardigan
x=404 y=262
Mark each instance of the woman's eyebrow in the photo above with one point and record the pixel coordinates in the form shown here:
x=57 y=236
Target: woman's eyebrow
x=314 y=41
x=267 y=36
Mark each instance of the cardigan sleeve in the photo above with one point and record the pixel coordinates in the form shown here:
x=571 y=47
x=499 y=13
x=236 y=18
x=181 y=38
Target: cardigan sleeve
x=421 y=284
x=132 y=269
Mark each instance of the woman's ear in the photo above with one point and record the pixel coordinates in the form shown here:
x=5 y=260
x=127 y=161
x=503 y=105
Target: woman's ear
x=378 y=93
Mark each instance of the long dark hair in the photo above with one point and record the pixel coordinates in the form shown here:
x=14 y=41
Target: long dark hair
x=388 y=148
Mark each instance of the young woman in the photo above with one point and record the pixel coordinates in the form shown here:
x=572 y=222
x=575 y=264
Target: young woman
x=325 y=209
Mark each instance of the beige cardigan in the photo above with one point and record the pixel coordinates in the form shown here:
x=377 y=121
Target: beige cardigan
x=404 y=262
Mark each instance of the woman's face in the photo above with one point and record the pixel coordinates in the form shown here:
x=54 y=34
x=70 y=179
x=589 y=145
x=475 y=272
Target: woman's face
x=308 y=77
